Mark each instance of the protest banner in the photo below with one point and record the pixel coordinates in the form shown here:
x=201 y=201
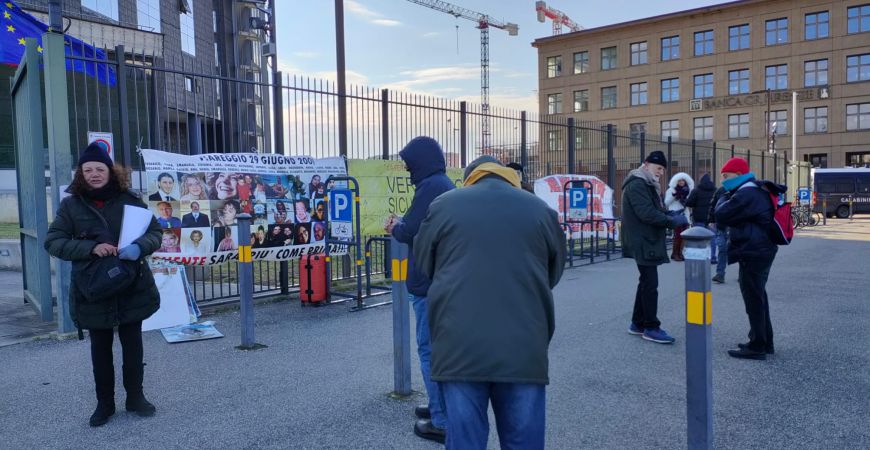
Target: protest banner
x=551 y=190
x=385 y=188
x=196 y=200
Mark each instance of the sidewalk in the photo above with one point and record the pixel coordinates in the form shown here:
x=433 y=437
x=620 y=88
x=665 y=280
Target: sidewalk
x=19 y=321
x=324 y=380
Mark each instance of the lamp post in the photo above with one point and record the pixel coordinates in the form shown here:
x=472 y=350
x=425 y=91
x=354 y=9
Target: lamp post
x=766 y=118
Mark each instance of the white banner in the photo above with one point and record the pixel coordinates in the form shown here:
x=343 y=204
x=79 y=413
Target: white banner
x=196 y=200
x=551 y=190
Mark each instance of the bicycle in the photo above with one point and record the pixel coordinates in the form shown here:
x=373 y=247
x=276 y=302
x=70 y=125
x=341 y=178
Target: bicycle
x=803 y=216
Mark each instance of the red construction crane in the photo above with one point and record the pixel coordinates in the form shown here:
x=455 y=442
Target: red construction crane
x=558 y=17
x=483 y=22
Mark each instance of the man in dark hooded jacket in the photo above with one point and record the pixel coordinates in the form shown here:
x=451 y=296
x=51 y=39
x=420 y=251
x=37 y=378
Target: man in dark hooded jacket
x=424 y=159
x=699 y=200
x=494 y=254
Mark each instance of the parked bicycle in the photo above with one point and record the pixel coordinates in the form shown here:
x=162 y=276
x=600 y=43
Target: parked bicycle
x=804 y=216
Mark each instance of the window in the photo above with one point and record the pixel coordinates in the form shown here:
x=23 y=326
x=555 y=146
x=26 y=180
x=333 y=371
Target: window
x=779 y=122
x=704 y=85
x=738 y=82
x=188 y=38
x=670 y=90
x=858 y=19
x=670 y=129
x=638 y=94
x=703 y=128
x=148 y=15
x=608 y=58
x=738 y=126
x=817 y=160
x=581 y=100
x=704 y=43
x=670 y=48
x=816 y=73
x=638 y=53
x=635 y=130
x=776 y=31
x=858 y=116
x=608 y=97
x=554 y=66
x=581 y=62
x=554 y=103
x=554 y=140
x=816 y=26
x=188 y=84
x=105 y=8
x=738 y=37
x=816 y=120
x=776 y=77
x=840 y=185
x=858 y=159
x=858 y=67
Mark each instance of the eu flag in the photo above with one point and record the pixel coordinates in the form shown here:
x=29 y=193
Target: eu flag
x=16 y=25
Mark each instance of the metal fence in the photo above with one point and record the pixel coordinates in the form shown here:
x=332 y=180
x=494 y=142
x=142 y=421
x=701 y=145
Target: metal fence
x=185 y=107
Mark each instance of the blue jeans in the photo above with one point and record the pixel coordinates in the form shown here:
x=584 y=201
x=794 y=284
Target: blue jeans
x=424 y=350
x=722 y=242
x=519 y=409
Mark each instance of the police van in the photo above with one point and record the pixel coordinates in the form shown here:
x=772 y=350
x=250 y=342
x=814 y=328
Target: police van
x=839 y=186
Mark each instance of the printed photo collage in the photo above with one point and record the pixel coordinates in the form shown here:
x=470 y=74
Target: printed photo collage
x=198 y=211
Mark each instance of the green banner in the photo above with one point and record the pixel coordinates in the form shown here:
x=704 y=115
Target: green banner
x=385 y=187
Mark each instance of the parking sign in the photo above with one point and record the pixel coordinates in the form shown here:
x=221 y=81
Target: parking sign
x=341 y=213
x=578 y=203
x=804 y=196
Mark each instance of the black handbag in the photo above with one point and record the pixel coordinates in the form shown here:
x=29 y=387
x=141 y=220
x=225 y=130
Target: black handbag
x=103 y=278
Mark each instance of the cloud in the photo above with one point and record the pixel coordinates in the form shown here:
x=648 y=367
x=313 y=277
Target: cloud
x=373 y=17
x=306 y=55
x=431 y=34
x=386 y=22
x=434 y=75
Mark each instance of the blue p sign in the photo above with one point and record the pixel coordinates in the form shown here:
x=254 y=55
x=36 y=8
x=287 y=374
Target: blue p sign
x=579 y=198
x=340 y=205
x=804 y=196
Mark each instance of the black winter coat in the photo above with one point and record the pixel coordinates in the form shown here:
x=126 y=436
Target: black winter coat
x=711 y=214
x=72 y=236
x=748 y=213
x=644 y=223
x=700 y=198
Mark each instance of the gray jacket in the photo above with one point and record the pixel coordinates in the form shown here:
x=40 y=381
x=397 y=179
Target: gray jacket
x=493 y=252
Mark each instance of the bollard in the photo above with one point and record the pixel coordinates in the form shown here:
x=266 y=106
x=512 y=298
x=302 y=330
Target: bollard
x=825 y=210
x=246 y=284
x=699 y=338
x=401 y=321
x=851 y=211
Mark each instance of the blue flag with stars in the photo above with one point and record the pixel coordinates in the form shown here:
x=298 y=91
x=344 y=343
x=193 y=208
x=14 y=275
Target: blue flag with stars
x=16 y=25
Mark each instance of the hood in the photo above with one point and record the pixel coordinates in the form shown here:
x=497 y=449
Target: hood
x=424 y=158
x=706 y=183
x=479 y=170
x=682 y=176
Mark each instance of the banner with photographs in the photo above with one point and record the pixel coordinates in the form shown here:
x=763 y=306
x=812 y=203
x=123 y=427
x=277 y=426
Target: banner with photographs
x=197 y=199
x=551 y=190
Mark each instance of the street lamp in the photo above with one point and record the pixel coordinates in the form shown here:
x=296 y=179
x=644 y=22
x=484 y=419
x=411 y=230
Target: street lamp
x=766 y=118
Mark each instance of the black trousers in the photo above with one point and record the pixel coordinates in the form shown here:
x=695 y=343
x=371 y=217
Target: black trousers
x=646 y=301
x=130 y=335
x=753 y=281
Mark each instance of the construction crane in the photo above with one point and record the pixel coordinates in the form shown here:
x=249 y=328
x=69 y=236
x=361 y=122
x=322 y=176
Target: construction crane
x=483 y=23
x=558 y=17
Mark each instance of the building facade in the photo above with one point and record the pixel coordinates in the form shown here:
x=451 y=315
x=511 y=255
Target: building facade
x=724 y=73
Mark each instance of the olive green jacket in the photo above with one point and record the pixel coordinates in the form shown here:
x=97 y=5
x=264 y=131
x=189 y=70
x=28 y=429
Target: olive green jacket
x=644 y=222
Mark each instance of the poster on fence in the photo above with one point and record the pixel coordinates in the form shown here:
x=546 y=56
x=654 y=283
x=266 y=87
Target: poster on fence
x=551 y=188
x=385 y=187
x=197 y=198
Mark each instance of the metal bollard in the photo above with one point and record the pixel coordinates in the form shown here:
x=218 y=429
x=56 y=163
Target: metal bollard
x=851 y=211
x=246 y=284
x=825 y=210
x=699 y=338
x=401 y=321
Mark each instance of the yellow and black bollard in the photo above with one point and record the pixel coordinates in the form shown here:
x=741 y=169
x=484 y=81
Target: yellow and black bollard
x=246 y=285
x=401 y=321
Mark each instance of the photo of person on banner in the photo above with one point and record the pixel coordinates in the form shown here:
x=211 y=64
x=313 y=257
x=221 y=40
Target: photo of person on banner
x=279 y=213
x=259 y=240
x=170 y=241
x=244 y=187
x=193 y=187
x=303 y=233
x=319 y=230
x=165 y=218
x=223 y=185
x=225 y=215
x=287 y=231
x=319 y=214
x=275 y=236
x=316 y=188
x=224 y=240
x=195 y=218
x=164 y=188
x=275 y=187
x=196 y=241
x=301 y=208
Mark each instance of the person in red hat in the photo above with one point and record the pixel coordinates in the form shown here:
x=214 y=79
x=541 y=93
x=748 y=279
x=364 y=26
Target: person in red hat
x=745 y=208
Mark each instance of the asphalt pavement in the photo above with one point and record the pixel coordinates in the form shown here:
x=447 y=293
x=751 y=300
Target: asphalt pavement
x=324 y=379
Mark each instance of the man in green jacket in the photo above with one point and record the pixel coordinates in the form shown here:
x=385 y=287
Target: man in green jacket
x=644 y=222
x=494 y=253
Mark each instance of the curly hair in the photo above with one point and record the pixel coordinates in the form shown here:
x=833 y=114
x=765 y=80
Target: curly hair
x=119 y=177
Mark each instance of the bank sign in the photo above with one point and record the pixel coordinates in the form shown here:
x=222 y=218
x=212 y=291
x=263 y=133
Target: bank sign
x=759 y=99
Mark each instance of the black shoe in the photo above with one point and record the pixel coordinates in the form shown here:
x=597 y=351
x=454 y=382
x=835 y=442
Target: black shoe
x=769 y=351
x=140 y=406
x=422 y=412
x=426 y=430
x=745 y=353
x=102 y=413
x=719 y=278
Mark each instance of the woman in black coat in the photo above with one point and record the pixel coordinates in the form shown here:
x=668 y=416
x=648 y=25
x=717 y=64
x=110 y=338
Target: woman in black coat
x=87 y=226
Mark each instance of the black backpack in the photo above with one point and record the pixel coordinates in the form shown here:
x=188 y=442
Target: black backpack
x=103 y=278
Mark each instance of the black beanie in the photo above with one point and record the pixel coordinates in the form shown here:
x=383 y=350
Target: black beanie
x=95 y=153
x=657 y=157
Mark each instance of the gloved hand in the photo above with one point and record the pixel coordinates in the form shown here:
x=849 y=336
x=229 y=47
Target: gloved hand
x=131 y=252
x=679 y=220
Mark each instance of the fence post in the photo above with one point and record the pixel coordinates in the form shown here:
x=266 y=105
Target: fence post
x=524 y=151
x=401 y=321
x=571 y=146
x=278 y=121
x=642 y=146
x=611 y=167
x=699 y=339
x=775 y=168
x=463 y=134
x=732 y=150
x=694 y=160
x=714 y=169
x=385 y=124
x=670 y=157
x=763 y=164
x=121 y=72
x=246 y=284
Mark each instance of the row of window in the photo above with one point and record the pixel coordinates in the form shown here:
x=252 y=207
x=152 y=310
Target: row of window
x=816 y=26
x=148 y=18
x=775 y=78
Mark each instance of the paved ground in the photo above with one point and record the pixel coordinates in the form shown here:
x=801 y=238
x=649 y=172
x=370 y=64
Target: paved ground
x=323 y=382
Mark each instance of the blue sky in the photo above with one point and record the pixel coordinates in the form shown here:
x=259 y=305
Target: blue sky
x=400 y=45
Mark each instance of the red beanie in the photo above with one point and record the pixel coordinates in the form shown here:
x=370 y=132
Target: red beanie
x=736 y=165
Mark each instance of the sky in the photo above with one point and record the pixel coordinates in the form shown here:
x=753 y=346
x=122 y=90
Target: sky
x=396 y=44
